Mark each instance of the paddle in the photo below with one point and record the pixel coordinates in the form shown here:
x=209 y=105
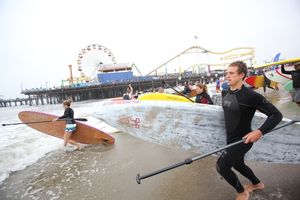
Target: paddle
x=190 y=160
x=77 y=119
x=163 y=82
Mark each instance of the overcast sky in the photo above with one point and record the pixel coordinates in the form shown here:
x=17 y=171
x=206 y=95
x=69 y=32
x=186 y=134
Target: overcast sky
x=40 y=38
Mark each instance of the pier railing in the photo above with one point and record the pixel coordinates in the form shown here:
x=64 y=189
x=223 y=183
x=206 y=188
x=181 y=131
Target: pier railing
x=44 y=96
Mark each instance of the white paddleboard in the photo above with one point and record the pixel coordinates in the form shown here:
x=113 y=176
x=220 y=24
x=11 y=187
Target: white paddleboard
x=198 y=127
x=277 y=76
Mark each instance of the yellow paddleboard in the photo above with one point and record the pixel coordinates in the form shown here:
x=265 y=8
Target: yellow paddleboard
x=288 y=61
x=163 y=97
x=258 y=81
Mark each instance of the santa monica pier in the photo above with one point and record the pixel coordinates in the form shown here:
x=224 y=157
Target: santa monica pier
x=101 y=76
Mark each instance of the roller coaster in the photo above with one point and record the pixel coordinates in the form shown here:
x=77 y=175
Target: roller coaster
x=197 y=59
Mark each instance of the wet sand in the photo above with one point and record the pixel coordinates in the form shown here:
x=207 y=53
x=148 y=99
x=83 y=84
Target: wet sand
x=109 y=172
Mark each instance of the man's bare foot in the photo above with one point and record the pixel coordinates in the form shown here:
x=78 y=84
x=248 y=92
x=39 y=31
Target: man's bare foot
x=243 y=196
x=251 y=187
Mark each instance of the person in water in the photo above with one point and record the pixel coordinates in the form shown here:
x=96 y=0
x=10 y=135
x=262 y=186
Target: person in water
x=202 y=96
x=296 y=82
x=70 y=123
x=129 y=93
x=161 y=90
x=187 y=88
x=267 y=83
x=239 y=105
x=218 y=86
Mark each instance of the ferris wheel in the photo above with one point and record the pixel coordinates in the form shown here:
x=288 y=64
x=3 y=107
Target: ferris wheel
x=91 y=58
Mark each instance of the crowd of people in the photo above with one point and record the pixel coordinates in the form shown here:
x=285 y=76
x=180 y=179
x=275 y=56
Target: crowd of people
x=198 y=90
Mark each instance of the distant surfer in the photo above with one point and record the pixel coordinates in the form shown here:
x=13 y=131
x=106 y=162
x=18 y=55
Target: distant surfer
x=267 y=83
x=161 y=90
x=202 y=95
x=187 y=88
x=296 y=82
x=239 y=105
x=218 y=85
x=70 y=123
x=129 y=92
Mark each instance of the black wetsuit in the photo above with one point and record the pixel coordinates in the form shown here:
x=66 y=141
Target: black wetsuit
x=69 y=116
x=295 y=76
x=203 y=98
x=239 y=107
x=186 y=90
x=267 y=83
x=296 y=83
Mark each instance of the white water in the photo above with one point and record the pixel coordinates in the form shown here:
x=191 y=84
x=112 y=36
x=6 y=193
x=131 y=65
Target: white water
x=21 y=145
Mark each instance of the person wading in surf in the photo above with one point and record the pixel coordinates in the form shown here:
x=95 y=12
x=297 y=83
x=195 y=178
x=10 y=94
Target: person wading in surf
x=239 y=105
x=187 y=88
x=161 y=90
x=202 y=96
x=267 y=83
x=70 y=124
x=129 y=91
x=296 y=82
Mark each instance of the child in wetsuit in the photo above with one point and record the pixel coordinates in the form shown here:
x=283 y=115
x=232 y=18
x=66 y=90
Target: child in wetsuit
x=70 y=123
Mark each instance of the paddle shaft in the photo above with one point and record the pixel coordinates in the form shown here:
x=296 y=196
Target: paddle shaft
x=190 y=160
x=77 y=119
x=178 y=92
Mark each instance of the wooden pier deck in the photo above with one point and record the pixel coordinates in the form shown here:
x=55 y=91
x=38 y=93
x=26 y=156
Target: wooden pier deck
x=99 y=91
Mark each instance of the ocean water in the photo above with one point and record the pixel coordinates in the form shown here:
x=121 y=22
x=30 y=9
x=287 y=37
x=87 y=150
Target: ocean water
x=21 y=146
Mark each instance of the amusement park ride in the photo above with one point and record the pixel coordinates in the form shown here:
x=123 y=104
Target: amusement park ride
x=197 y=59
x=96 y=59
x=97 y=64
x=92 y=60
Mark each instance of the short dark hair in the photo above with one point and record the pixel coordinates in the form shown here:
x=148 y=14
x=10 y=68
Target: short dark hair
x=242 y=67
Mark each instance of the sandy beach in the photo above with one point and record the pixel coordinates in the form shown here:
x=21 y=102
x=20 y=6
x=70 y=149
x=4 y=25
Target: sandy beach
x=109 y=172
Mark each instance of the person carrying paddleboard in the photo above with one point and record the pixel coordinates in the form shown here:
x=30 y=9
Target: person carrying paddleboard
x=296 y=82
x=202 y=96
x=70 y=123
x=239 y=105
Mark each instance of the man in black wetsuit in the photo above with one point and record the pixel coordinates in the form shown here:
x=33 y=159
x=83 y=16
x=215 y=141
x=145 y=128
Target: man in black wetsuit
x=296 y=82
x=239 y=105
